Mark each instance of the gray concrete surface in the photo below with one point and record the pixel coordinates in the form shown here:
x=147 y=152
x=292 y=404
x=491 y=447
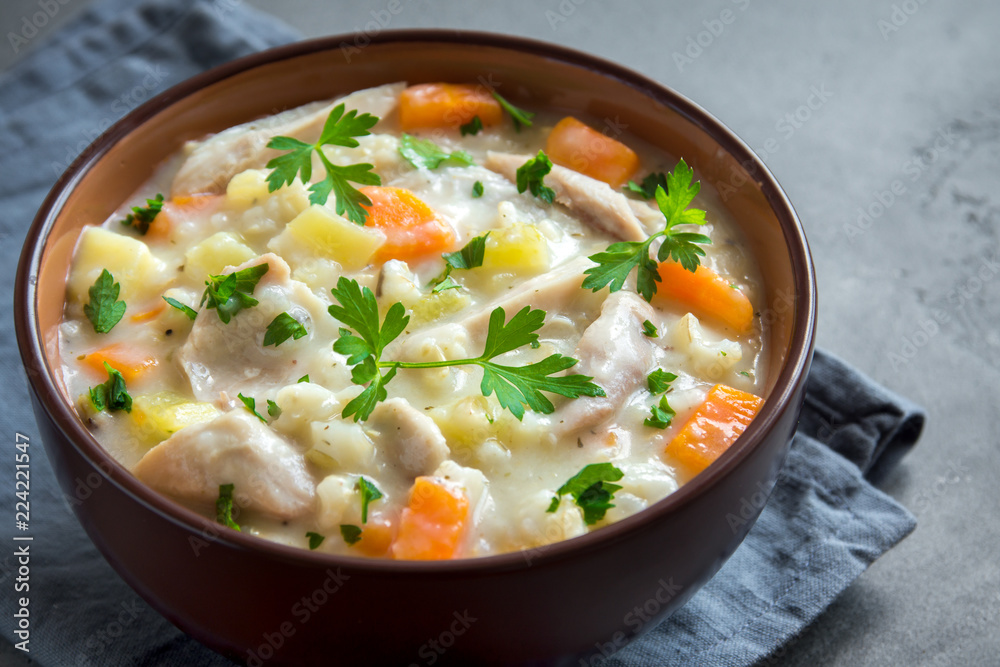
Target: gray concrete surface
x=882 y=121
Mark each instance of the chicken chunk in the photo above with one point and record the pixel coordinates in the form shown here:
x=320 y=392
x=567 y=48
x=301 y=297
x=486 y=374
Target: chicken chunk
x=408 y=439
x=215 y=160
x=219 y=357
x=614 y=350
x=234 y=448
x=593 y=201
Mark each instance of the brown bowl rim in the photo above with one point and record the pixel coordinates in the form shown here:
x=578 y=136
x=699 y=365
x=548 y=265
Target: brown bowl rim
x=786 y=386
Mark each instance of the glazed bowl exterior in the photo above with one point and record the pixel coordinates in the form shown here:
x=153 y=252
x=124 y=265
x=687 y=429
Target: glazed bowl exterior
x=260 y=602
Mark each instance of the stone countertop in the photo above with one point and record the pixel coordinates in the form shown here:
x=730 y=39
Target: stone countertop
x=882 y=122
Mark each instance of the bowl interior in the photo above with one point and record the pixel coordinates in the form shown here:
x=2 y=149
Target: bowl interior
x=531 y=74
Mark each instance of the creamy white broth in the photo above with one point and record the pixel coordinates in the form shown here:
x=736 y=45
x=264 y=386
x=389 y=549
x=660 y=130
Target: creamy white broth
x=303 y=478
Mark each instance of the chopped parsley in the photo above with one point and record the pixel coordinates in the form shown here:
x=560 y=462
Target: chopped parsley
x=315 y=539
x=744 y=374
x=447 y=283
x=519 y=116
x=661 y=415
x=231 y=293
x=272 y=409
x=304 y=378
x=112 y=394
x=531 y=175
x=649 y=330
x=652 y=181
x=250 y=403
x=224 y=507
x=142 y=216
x=351 y=534
x=425 y=154
x=592 y=490
x=469 y=257
x=616 y=263
x=340 y=130
x=281 y=328
x=369 y=494
x=187 y=310
x=104 y=309
x=477 y=190
x=473 y=127
x=515 y=387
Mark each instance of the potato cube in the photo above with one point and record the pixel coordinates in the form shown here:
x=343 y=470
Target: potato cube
x=518 y=247
x=214 y=254
x=129 y=260
x=329 y=235
x=158 y=416
x=247 y=188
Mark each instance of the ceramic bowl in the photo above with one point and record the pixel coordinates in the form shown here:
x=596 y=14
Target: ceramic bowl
x=261 y=602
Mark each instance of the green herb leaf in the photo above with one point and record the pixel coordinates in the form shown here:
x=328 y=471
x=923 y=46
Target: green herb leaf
x=649 y=184
x=649 y=330
x=447 y=283
x=473 y=127
x=744 y=374
x=304 y=378
x=616 y=263
x=142 y=216
x=250 y=404
x=477 y=189
x=112 y=394
x=592 y=490
x=519 y=116
x=272 y=409
x=340 y=130
x=531 y=174
x=187 y=310
x=315 y=539
x=425 y=154
x=351 y=534
x=659 y=381
x=230 y=293
x=281 y=328
x=470 y=256
x=369 y=493
x=104 y=309
x=224 y=507
x=660 y=415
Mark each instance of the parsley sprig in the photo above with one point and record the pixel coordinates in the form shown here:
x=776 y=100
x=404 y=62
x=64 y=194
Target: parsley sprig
x=339 y=130
x=515 y=387
x=531 y=176
x=616 y=263
x=230 y=293
x=369 y=494
x=281 y=328
x=661 y=415
x=112 y=394
x=104 y=309
x=142 y=217
x=425 y=154
x=592 y=490
x=519 y=116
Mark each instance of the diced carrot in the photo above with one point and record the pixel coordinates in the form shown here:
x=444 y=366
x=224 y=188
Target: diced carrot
x=149 y=314
x=376 y=538
x=176 y=210
x=706 y=293
x=712 y=428
x=128 y=361
x=432 y=105
x=411 y=228
x=582 y=148
x=431 y=527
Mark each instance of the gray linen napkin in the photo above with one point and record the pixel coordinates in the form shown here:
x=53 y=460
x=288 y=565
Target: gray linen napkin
x=824 y=524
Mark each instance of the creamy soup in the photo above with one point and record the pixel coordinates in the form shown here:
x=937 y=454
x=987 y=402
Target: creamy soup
x=397 y=325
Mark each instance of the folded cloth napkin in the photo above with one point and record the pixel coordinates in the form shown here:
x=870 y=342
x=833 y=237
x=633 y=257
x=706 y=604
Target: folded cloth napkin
x=824 y=524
